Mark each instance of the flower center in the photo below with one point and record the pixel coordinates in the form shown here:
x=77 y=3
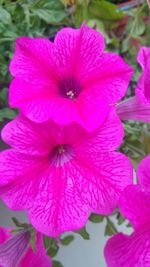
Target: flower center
x=61 y=154
x=70 y=88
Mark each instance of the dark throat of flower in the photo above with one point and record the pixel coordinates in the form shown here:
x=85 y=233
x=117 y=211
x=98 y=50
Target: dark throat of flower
x=61 y=154
x=70 y=88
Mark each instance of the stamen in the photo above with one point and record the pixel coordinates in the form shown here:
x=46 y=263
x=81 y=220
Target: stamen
x=70 y=94
x=70 y=88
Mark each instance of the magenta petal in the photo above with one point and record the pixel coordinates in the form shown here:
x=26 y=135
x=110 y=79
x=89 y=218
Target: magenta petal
x=70 y=80
x=102 y=178
x=37 y=101
x=129 y=251
x=4 y=234
x=66 y=206
x=33 y=60
x=143 y=85
x=12 y=250
x=59 y=185
x=143 y=173
x=108 y=137
x=36 y=258
x=20 y=176
x=93 y=111
x=14 y=164
x=59 y=207
x=111 y=79
x=19 y=134
x=134 y=109
x=79 y=49
x=134 y=205
x=143 y=56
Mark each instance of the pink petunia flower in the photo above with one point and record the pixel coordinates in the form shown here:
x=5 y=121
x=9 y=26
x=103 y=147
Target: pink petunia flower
x=134 y=250
x=70 y=80
x=59 y=174
x=138 y=107
x=16 y=251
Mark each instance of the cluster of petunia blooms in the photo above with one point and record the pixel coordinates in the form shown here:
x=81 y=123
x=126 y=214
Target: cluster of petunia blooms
x=63 y=162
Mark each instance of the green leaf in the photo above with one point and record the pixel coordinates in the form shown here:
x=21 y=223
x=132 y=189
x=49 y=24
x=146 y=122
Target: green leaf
x=81 y=13
x=120 y=218
x=67 y=240
x=49 y=16
x=126 y=45
x=95 y=218
x=105 y=10
x=57 y=264
x=99 y=26
x=33 y=240
x=83 y=232
x=110 y=228
x=3 y=95
x=52 y=251
x=139 y=28
x=51 y=245
x=46 y=241
x=5 y=17
x=49 y=11
x=19 y=224
x=7 y=113
x=146 y=140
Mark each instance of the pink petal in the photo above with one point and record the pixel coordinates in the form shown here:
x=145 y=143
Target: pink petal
x=58 y=207
x=90 y=115
x=59 y=197
x=36 y=258
x=12 y=250
x=29 y=137
x=33 y=60
x=54 y=202
x=129 y=251
x=135 y=205
x=108 y=137
x=93 y=111
x=21 y=92
x=79 y=49
x=76 y=58
x=102 y=178
x=4 y=234
x=38 y=139
x=143 y=56
x=143 y=85
x=111 y=79
x=37 y=101
x=18 y=175
x=81 y=189
x=134 y=109
x=143 y=173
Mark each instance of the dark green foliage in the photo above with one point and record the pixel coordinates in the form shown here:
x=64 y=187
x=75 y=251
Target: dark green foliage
x=83 y=232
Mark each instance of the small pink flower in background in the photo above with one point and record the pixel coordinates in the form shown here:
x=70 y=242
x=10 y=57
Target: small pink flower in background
x=134 y=250
x=138 y=107
x=60 y=174
x=143 y=86
x=16 y=251
x=134 y=108
x=70 y=80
